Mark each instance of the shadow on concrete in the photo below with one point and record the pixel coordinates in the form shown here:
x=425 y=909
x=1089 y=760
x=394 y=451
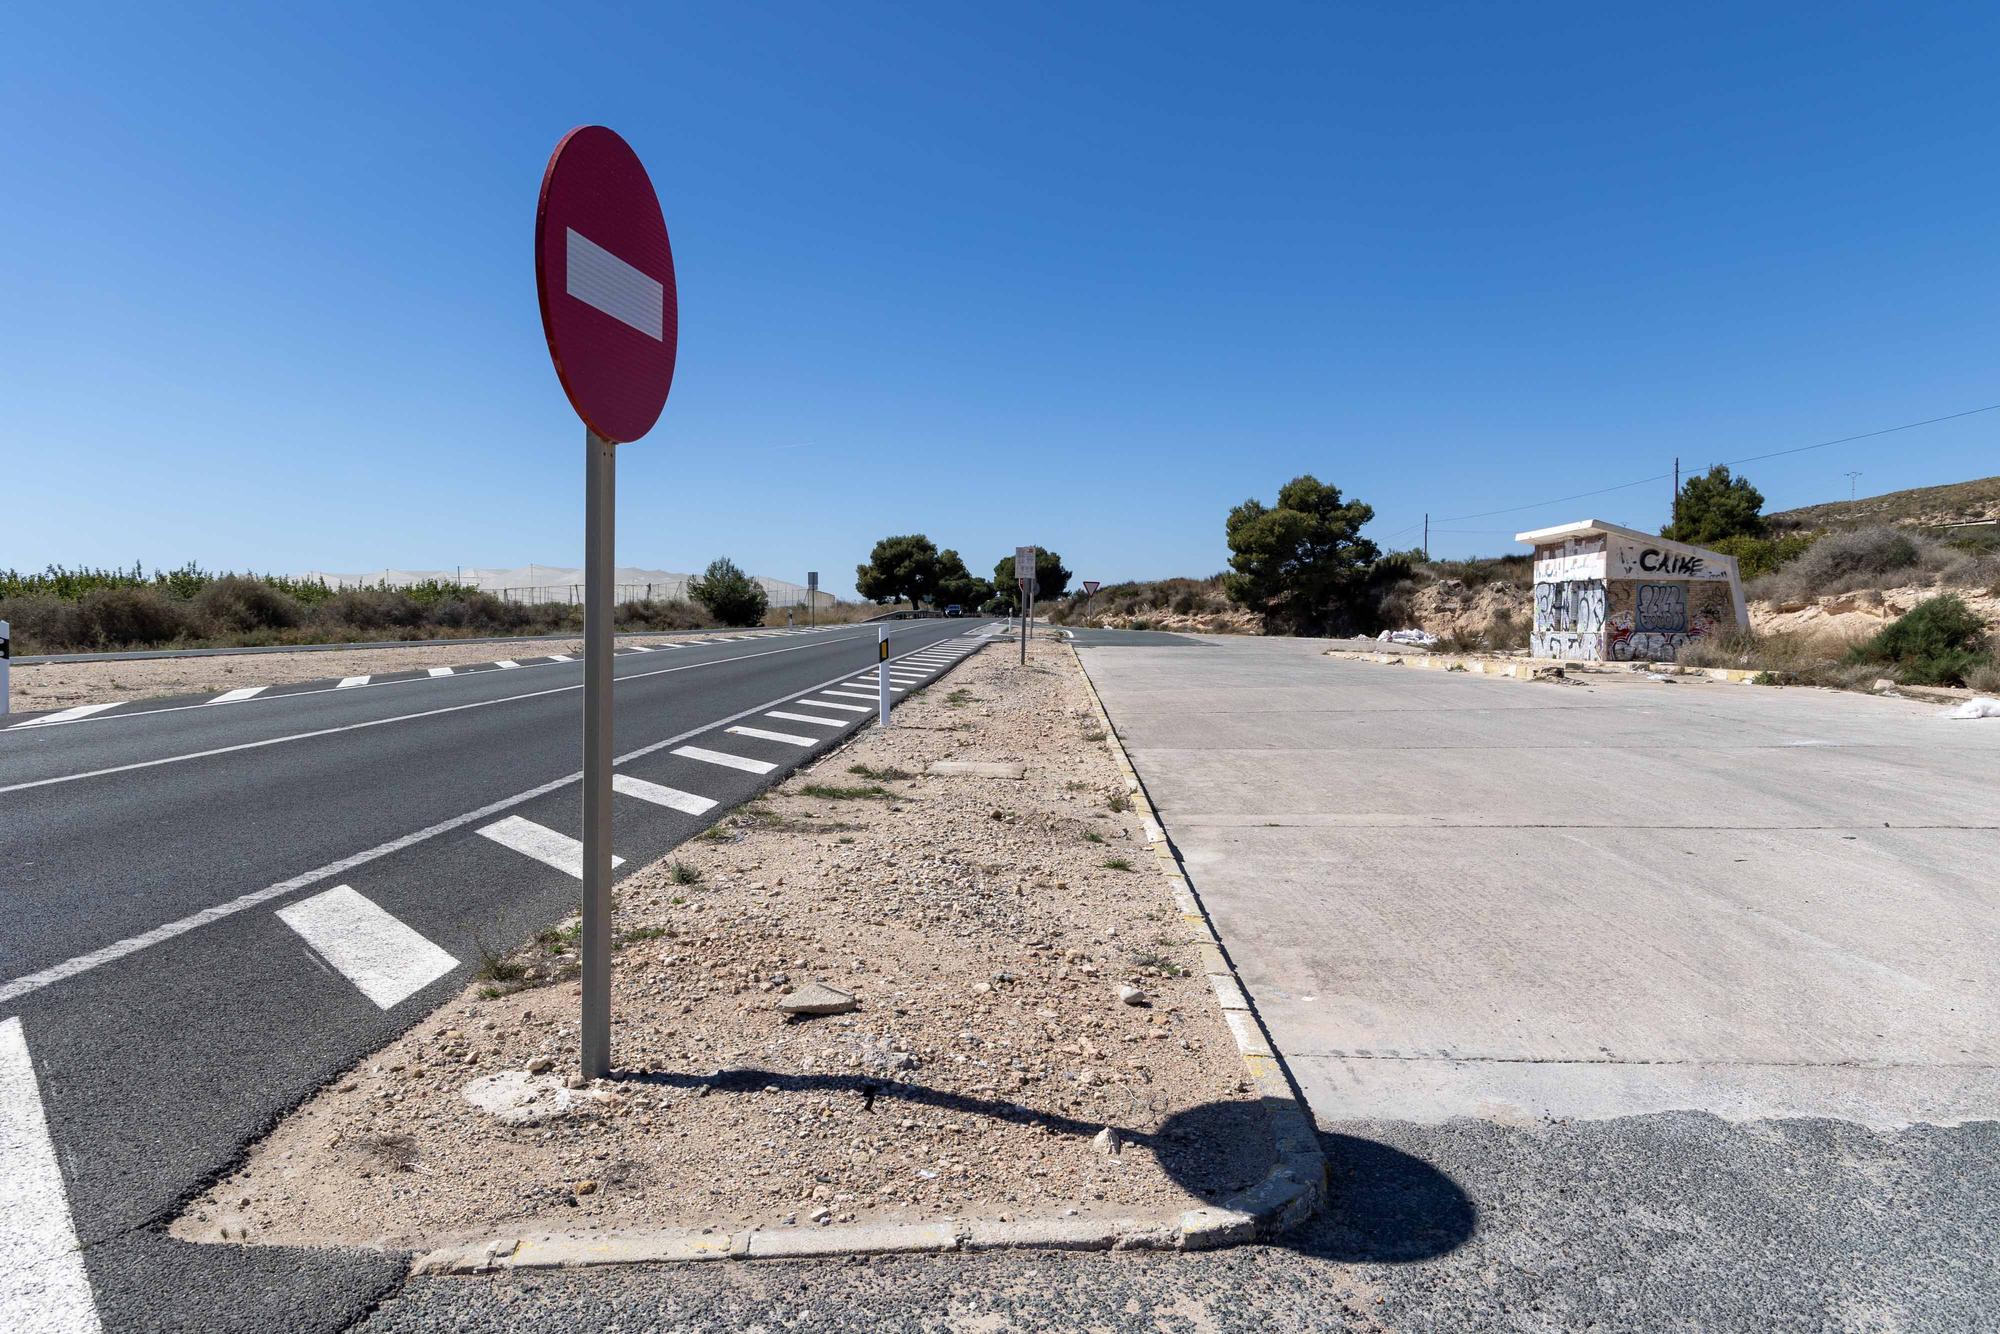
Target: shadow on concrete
x=1384 y=1206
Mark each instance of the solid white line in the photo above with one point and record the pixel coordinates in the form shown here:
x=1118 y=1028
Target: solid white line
x=67 y=715
x=441 y=671
x=241 y=692
x=746 y=764
x=789 y=738
x=79 y=964
x=349 y=682
x=807 y=718
x=542 y=843
x=506 y=664
x=369 y=947
x=829 y=704
x=44 y=1288
x=661 y=795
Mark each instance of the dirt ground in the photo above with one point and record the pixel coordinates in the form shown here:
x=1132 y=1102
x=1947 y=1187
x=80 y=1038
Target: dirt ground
x=61 y=685
x=986 y=927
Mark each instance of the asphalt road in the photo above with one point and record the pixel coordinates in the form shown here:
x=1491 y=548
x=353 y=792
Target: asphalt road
x=198 y=894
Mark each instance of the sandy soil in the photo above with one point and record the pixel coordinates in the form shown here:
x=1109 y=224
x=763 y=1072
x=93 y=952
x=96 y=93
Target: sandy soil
x=60 y=685
x=1853 y=616
x=985 y=926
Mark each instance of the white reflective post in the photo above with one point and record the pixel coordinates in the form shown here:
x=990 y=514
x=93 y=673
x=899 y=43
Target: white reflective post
x=6 y=655
x=599 y=511
x=882 y=672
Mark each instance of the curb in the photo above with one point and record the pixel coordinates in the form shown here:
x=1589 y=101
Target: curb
x=1291 y=1192
x=1295 y=1189
x=1528 y=668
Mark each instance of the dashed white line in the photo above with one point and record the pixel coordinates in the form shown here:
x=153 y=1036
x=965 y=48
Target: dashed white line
x=806 y=718
x=44 y=1288
x=743 y=762
x=506 y=664
x=241 y=692
x=843 y=694
x=789 y=738
x=561 y=657
x=68 y=715
x=367 y=945
x=661 y=795
x=829 y=704
x=349 y=682
x=542 y=843
x=442 y=671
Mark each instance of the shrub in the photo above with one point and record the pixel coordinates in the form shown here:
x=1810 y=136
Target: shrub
x=1846 y=562
x=660 y=615
x=234 y=604
x=371 y=609
x=116 y=618
x=1757 y=556
x=1939 y=642
x=730 y=595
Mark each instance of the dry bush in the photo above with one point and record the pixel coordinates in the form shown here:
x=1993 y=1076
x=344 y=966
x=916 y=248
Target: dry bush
x=1865 y=558
x=239 y=605
x=661 y=614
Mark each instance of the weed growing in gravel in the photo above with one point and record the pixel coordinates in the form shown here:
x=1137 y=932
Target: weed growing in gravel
x=1093 y=734
x=1158 y=963
x=831 y=792
x=886 y=774
x=958 y=699
x=1118 y=864
x=639 y=933
x=1092 y=836
x=684 y=874
x=1118 y=801
x=495 y=966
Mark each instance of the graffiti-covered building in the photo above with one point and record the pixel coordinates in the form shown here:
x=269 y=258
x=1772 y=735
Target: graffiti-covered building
x=1605 y=593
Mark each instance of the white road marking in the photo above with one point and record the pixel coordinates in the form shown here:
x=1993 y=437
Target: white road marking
x=789 y=738
x=747 y=765
x=845 y=694
x=241 y=692
x=44 y=1288
x=807 y=718
x=829 y=704
x=67 y=715
x=542 y=843
x=79 y=964
x=661 y=795
x=640 y=648
x=506 y=664
x=561 y=657
x=598 y=278
x=349 y=682
x=368 y=946
x=442 y=671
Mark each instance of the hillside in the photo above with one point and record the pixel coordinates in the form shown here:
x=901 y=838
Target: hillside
x=1923 y=506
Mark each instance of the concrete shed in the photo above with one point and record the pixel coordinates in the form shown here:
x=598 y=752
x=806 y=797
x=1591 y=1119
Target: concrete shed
x=1605 y=593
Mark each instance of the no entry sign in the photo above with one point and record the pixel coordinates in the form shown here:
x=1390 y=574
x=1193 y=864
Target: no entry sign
x=605 y=274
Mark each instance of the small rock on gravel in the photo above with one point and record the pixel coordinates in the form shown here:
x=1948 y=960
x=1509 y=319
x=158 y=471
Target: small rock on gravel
x=818 y=998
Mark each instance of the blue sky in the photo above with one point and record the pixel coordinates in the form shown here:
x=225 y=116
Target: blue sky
x=1079 y=275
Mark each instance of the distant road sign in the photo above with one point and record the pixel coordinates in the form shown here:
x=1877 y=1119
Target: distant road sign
x=605 y=274
x=812 y=579
x=1090 y=587
x=1024 y=562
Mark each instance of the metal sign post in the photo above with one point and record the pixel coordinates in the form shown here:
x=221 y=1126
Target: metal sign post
x=604 y=272
x=882 y=672
x=1024 y=575
x=812 y=597
x=1090 y=587
x=6 y=657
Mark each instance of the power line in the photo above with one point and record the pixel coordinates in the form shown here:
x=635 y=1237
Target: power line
x=1730 y=463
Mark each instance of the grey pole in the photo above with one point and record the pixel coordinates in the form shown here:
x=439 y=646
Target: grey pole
x=599 y=515
x=6 y=656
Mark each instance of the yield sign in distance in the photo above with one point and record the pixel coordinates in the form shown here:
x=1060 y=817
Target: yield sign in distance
x=605 y=274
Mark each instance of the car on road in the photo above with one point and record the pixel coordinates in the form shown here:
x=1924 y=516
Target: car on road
x=954 y=610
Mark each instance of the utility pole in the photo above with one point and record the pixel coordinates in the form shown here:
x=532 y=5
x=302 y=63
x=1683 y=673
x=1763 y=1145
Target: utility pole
x=1427 y=539
x=1850 y=482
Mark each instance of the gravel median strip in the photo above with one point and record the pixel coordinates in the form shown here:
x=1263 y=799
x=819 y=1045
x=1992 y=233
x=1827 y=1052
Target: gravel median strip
x=885 y=1007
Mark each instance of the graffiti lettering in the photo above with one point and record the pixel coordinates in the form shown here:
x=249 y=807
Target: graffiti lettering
x=1570 y=606
x=1662 y=607
x=1655 y=561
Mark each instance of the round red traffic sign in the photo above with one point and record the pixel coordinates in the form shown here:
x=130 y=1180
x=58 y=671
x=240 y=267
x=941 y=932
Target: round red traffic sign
x=605 y=275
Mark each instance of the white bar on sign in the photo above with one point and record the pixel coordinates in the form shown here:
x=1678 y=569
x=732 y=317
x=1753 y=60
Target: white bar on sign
x=542 y=843
x=368 y=946
x=43 y=1284
x=661 y=795
x=746 y=764
x=599 y=278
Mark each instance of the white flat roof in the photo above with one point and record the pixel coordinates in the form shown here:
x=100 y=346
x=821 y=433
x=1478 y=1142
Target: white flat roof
x=1585 y=528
